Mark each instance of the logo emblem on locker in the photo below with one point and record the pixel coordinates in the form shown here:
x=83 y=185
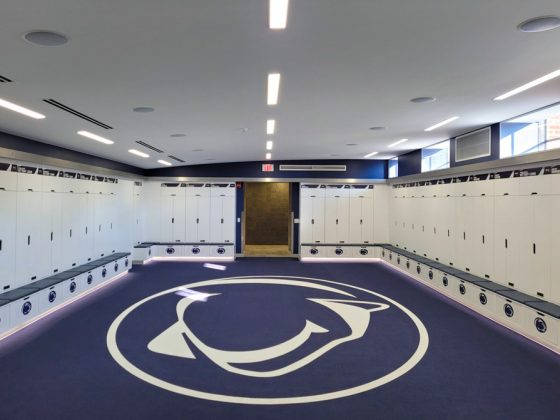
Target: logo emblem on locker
x=52 y=296
x=313 y=251
x=364 y=251
x=445 y=281
x=104 y=273
x=326 y=320
x=462 y=289
x=483 y=299
x=221 y=251
x=508 y=310
x=170 y=251
x=339 y=251
x=196 y=250
x=90 y=279
x=26 y=308
x=72 y=287
x=540 y=325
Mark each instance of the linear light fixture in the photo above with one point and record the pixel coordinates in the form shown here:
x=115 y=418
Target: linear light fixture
x=397 y=143
x=371 y=154
x=95 y=137
x=278 y=14
x=270 y=127
x=164 y=162
x=269 y=145
x=17 y=108
x=268 y=156
x=529 y=85
x=273 y=88
x=441 y=124
x=138 y=153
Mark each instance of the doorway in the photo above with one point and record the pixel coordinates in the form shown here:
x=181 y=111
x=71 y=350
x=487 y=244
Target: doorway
x=267 y=219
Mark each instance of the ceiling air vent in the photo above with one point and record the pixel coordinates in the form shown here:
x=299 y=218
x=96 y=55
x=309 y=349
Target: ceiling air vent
x=329 y=168
x=4 y=79
x=77 y=113
x=176 y=158
x=149 y=146
x=473 y=145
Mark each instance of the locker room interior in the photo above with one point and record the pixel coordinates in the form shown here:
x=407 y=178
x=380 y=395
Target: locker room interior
x=275 y=209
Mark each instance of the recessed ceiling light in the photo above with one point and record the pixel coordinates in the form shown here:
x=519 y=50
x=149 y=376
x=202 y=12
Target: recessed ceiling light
x=269 y=145
x=423 y=100
x=178 y=135
x=441 y=124
x=351 y=144
x=539 y=24
x=270 y=127
x=529 y=85
x=273 y=88
x=95 y=137
x=21 y=110
x=371 y=154
x=198 y=150
x=268 y=156
x=138 y=153
x=143 y=109
x=45 y=38
x=278 y=14
x=377 y=128
x=397 y=143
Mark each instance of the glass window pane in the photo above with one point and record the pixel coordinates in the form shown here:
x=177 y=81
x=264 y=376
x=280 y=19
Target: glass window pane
x=435 y=157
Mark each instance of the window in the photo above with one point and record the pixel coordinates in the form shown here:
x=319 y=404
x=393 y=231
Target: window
x=530 y=133
x=394 y=167
x=435 y=157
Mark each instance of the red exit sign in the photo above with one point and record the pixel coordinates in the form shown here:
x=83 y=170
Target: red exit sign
x=268 y=167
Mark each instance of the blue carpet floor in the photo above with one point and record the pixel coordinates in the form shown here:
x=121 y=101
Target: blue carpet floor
x=61 y=368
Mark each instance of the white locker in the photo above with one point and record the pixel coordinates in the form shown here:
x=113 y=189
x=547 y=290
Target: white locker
x=222 y=216
x=198 y=218
x=8 y=179
x=90 y=229
x=312 y=214
x=337 y=214
x=173 y=211
x=8 y=214
x=137 y=221
x=70 y=225
x=52 y=207
x=360 y=217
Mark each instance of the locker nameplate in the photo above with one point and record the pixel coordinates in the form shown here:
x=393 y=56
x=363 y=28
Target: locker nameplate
x=527 y=172
x=549 y=170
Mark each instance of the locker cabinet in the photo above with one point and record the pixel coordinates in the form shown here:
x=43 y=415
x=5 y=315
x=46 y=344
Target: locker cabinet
x=198 y=213
x=222 y=214
x=312 y=215
x=5 y=323
x=8 y=212
x=52 y=208
x=361 y=216
x=337 y=200
x=173 y=214
x=24 y=304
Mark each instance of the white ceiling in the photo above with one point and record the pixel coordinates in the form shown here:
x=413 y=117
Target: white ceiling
x=345 y=65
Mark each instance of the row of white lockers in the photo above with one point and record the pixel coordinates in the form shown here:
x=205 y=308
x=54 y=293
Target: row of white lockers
x=482 y=298
x=336 y=214
x=36 y=302
x=337 y=252
x=541 y=180
x=511 y=240
x=185 y=250
x=43 y=233
x=195 y=213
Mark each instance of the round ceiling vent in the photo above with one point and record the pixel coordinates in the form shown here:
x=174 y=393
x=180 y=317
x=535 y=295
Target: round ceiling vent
x=540 y=24
x=45 y=38
x=143 y=109
x=423 y=100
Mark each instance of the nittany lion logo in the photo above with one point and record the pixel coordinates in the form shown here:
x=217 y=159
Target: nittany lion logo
x=318 y=327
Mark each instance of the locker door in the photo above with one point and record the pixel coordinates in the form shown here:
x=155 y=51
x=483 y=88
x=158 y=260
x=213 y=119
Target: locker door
x=342 y=217
x=137 y=222
x=98 y=228
x=179 y=218
x=306 y=219
x=228 y=214
x=330 y=219
x=70 y=228
x=449 y=231
x=52 y=205
x=367 y=220
x=216 y=218
x=167 y=217
x=318 y=219
x=30 y=263
x=501 y=233
x=90 y=227
x=8 y=214
x=554 y=261
x=192 y=216
x=203 y=218
x=540 y=250
x=463 y=214
x=355 y=220
x=521 y=264
x=482 y=258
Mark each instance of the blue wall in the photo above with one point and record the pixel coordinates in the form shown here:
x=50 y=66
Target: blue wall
x=410 y=163
x=362 y=169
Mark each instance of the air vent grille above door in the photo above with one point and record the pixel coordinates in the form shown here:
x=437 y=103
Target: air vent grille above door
x=4 y=79
x=473 y=145
x=327 y=168
x=176 y=158
x=149 y=146
x=77 y=113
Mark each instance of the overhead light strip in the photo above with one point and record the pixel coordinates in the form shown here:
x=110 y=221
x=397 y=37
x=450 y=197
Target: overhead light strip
x=529 y=85
x=270 y=127
x=95 y=137
x=21 y=110
x=269 y=144
x=397 y=143
x=278 y=14
x=441 y=124
x=268 y=156
x=273 y=88
x=371 y=154
x=139 y=153
x=164 y=162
